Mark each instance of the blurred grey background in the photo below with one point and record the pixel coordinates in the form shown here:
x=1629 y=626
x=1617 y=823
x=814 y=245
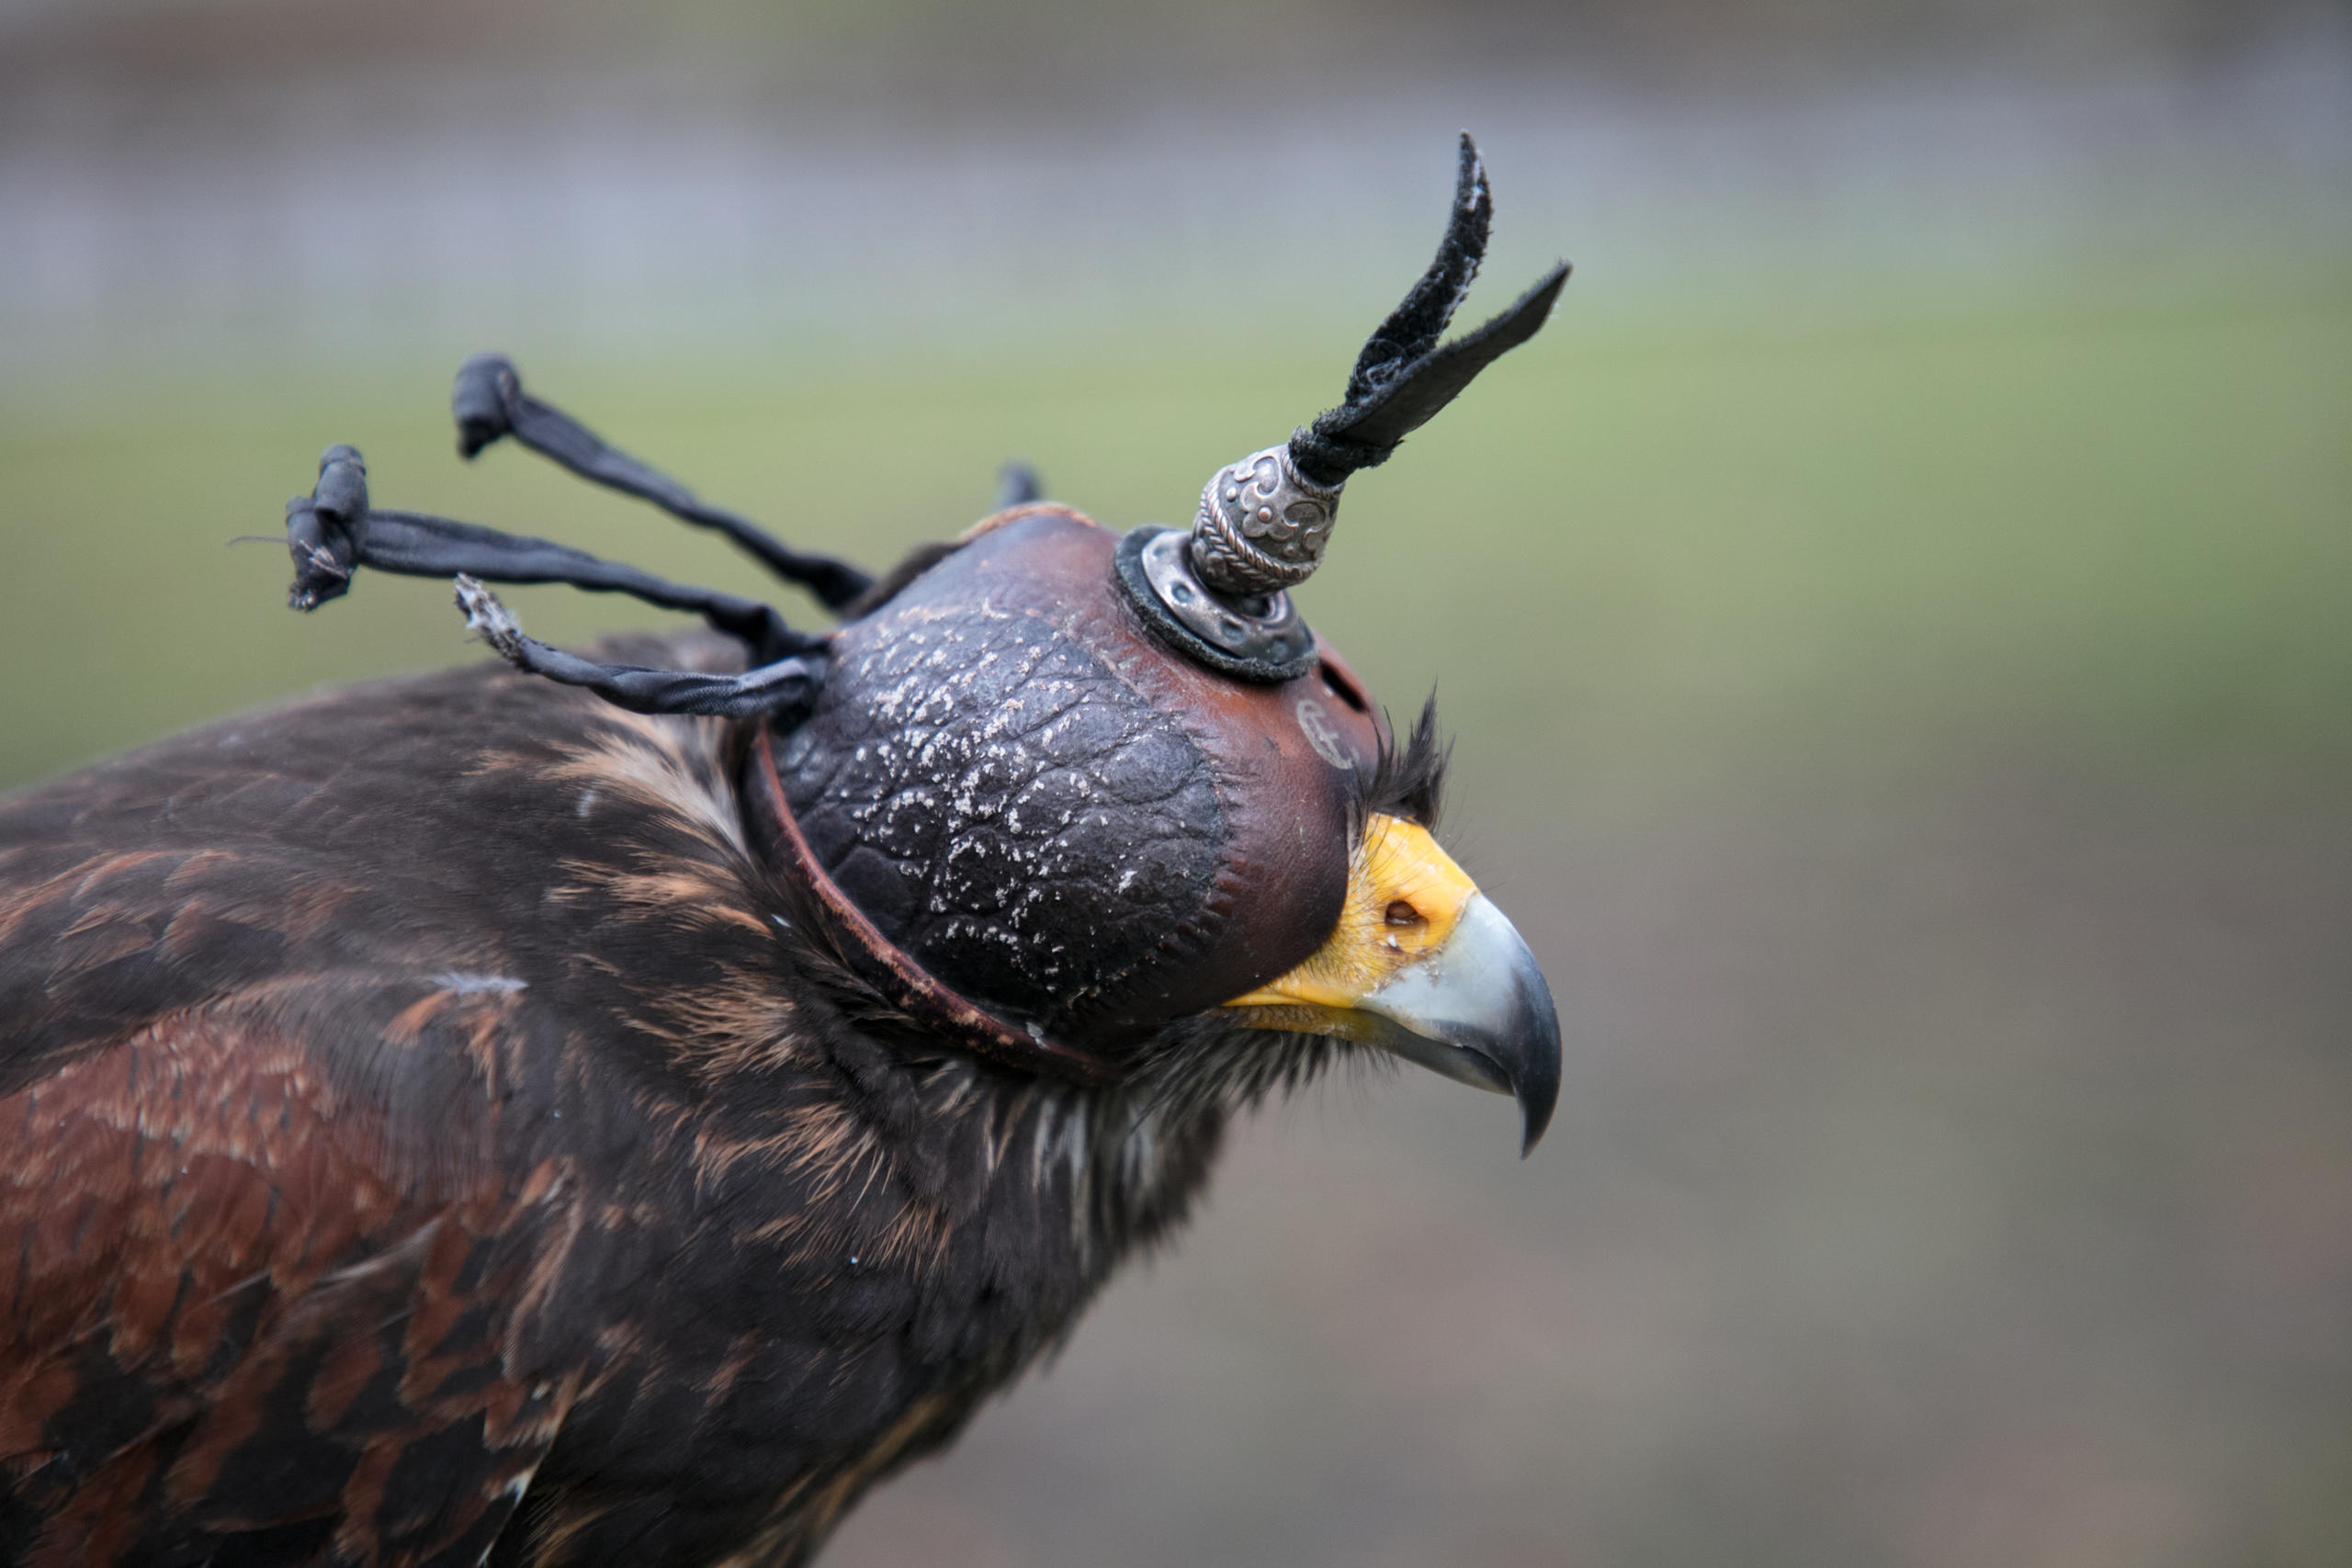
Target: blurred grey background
x=1894 y=621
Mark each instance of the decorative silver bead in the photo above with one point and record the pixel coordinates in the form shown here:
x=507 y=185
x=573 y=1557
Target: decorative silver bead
x=1262 y=525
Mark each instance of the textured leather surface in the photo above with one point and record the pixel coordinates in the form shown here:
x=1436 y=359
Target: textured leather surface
x=1004 y=807
x=1053 y=814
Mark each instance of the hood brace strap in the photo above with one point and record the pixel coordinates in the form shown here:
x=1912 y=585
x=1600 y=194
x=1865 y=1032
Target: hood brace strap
x=888 y=968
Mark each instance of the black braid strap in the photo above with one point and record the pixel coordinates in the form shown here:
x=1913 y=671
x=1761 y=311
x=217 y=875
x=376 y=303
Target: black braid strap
x=1402 y=378
x=772 y=688
x=489 y=401
x=332 y=531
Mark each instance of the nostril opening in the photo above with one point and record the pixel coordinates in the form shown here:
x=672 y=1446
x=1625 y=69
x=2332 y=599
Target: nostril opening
x=1401 y=913
x=1340 y=686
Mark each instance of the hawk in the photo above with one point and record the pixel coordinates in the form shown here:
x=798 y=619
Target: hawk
x=616 y=1107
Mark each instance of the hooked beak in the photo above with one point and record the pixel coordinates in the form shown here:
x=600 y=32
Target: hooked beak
x=1470 y=1003
x=1478 y=1011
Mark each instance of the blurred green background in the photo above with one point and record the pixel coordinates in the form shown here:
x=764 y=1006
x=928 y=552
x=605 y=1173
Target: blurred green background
x=1893 y=620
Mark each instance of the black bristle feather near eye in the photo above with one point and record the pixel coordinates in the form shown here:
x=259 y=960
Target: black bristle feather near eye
x=1408 y=780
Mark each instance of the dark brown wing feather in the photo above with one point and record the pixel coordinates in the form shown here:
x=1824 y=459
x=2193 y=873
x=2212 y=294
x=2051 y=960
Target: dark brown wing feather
x=271 y=1268
x=228 y=1319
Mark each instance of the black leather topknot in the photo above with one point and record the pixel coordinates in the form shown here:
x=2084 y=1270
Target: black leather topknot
x=1402 y=377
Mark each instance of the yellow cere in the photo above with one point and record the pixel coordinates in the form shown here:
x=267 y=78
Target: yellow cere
x=1404 y=896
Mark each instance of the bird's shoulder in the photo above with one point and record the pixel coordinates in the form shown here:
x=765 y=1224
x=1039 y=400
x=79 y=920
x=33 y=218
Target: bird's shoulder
x=341 y=1049
x=470 y=826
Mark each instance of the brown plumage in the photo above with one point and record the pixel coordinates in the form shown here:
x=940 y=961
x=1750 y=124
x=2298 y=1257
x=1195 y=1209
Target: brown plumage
x=368 y=1161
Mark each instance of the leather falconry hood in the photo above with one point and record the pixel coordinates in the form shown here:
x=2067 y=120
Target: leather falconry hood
x=1050 y=787
x=1040 y=803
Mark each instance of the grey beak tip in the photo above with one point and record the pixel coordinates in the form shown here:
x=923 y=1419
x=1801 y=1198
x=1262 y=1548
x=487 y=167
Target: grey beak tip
x=1535 y=1082
x=1537 y=1098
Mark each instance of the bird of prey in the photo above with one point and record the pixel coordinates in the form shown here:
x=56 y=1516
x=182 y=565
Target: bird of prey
x=614 y=1108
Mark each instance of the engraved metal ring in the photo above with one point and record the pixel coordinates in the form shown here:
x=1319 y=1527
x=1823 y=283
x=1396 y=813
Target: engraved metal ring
x=1262 y=525
x=1258 y=638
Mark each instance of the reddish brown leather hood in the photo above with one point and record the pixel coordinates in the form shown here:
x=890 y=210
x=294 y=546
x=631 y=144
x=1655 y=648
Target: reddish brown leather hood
x=1049 y=811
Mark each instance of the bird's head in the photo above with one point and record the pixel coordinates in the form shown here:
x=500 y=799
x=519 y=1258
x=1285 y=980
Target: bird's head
x=1062 y=791
x=1071 y=800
